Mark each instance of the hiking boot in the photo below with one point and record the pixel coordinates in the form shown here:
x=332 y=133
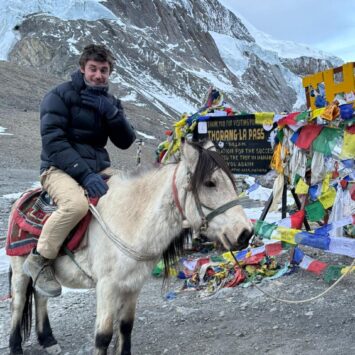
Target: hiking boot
x=41 y=271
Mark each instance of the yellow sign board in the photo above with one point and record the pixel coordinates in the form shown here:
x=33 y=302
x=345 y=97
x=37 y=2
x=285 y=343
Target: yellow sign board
x=332 y=86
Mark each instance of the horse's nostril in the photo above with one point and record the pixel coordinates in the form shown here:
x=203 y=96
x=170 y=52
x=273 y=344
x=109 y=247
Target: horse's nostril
x=245 y=236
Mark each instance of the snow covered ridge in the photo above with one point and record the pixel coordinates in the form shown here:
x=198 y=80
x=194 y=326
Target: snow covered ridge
x=284 y=49
x=13 y=12
x=233 y=52
x=164 y=66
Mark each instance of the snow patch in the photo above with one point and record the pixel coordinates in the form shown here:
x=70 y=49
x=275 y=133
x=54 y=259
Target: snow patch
x=3 y=133
x=16 y=195
x=231 y=51
x=130 y=97
x=72 y=48
x=147 y=136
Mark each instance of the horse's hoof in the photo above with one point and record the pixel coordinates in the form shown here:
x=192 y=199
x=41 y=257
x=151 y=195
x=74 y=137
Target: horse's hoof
x=53 y=350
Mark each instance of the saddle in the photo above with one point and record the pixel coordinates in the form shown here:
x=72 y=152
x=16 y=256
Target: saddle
x=32 y=211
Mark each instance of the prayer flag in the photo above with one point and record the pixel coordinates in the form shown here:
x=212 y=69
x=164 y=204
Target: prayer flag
x=312 y=265
x=273 y=249
x=295 y=136
x=314 y=191
x=332 y=273
x=342 y=246
x=327 y=198
x=325 y=183
x=317 y=112
x=285 y=234
x=303 y=116
x=319 y=241
x=330 y=112
x=317 y=267
x=301 y=187
x=327 y=140
x=294 y=221
x=348 y=148
x=264 y=118
x=278 y=117
x=346 y=269
x=290 y=119
x=264 y=229
x=258 y=250
x=297 y=256
x=306 y=261
x=315 y=211
x=307 y=135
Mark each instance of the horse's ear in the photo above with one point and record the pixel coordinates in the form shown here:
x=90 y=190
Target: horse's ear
x=189 y=154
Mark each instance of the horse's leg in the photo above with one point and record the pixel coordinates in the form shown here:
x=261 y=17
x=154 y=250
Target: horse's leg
x=126 y=319
x=106 y=306
x=43 y=327
x=21 y=297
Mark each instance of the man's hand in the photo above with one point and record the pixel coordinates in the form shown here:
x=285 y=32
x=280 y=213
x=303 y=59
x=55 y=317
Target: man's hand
x=100 y=103
x=95 y=185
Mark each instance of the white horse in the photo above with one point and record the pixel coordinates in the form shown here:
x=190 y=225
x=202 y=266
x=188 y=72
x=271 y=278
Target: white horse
x=140 y=220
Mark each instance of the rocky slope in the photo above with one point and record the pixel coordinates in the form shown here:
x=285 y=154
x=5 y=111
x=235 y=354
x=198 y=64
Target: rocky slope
x=166 y=59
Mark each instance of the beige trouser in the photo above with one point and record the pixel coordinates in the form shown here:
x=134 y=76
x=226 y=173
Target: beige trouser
x=72 y=204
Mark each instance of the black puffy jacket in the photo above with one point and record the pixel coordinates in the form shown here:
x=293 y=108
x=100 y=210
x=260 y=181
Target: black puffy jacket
x=74 y=136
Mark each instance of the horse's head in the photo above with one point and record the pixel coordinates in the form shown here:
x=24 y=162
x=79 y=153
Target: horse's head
x=211 y=205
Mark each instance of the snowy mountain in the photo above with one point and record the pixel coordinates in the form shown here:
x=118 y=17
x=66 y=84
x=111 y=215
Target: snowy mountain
x=169 y=52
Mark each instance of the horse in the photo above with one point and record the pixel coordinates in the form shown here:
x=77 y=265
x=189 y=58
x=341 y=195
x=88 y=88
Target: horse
x=141 y=219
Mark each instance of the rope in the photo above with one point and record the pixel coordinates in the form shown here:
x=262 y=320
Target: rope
x=295 y=301
x=126 y=249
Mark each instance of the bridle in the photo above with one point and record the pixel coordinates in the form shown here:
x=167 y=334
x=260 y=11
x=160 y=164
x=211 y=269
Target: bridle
x=205 y=219
x=143 y=256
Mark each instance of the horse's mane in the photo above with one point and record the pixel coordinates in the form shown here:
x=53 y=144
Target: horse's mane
x=208 y=161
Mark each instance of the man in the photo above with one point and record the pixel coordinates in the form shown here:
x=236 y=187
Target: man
x=77 y=118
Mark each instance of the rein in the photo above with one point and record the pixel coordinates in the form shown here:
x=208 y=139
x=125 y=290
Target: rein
x=125 y=248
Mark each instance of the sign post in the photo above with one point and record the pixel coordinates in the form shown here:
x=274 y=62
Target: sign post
x=243 y=144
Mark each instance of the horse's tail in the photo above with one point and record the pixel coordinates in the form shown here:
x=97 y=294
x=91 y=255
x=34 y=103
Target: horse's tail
x=26 y=321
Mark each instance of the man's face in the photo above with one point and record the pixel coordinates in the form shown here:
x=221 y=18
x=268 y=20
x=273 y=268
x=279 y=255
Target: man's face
x=96 y=73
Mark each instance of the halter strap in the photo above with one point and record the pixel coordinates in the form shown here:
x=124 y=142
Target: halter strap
x=222 y=209
x=176 y=194
x=204 y=219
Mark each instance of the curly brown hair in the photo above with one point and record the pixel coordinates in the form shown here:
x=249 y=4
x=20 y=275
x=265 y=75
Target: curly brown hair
x=98 y=53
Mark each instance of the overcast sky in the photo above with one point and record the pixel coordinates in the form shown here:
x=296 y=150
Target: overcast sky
x=328 y=25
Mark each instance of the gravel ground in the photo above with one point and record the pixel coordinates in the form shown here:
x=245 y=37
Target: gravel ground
x=234 y=321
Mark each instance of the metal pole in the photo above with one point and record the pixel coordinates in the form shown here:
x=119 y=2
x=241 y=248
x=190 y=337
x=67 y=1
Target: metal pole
x=139 y=143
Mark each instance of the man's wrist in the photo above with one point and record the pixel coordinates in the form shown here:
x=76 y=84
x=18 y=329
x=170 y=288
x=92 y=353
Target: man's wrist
x=112 y=113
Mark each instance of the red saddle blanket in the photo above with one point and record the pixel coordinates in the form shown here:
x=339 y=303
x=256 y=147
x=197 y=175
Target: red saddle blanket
x=31 y=213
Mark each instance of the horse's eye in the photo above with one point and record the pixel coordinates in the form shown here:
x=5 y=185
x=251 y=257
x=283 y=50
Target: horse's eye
x=209 y=183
